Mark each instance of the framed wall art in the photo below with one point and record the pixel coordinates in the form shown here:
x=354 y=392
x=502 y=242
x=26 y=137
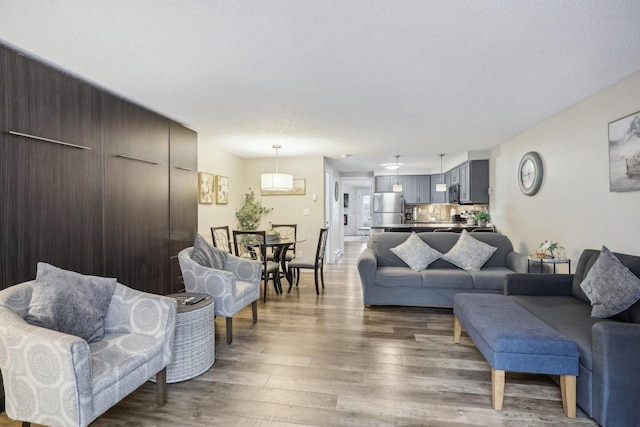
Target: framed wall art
x=624 y=153
x=299 y=189
x=222 y=190
x=205 y=188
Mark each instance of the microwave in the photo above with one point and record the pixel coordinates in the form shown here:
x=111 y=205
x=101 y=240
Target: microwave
x=454 y=193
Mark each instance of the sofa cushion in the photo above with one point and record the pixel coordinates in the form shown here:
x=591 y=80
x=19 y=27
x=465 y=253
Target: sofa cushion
x=446 y=278
x=70 y=302
x=468 y=253
x=416 y=253
x=610 y=286
x=398 y=277
x=207 y=255
x=489 y=278
x=567 y=315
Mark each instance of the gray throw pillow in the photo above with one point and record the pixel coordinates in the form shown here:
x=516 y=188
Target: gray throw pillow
x=416 y=253
x=468 y=253
x=206 y=255
x=70 y=302
x=610 y=286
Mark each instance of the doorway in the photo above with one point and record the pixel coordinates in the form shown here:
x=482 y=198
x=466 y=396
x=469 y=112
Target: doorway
x=356 y=208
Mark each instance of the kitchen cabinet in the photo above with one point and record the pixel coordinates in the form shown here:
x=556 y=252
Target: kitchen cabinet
x=385 y=183
x=50 y=193
x=439 y=197
x=474 y=182
x=455 y=176
x=417 y=189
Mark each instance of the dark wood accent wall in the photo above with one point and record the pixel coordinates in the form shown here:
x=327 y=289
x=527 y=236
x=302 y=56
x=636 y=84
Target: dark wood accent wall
x=89 y=210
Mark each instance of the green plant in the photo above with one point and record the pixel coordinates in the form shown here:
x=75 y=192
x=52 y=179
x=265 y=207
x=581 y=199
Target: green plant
x=481 y=216
x=251 y=212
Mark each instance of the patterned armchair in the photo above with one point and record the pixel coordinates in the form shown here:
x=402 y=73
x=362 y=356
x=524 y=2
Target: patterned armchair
x=232 y=289
x=57 y=379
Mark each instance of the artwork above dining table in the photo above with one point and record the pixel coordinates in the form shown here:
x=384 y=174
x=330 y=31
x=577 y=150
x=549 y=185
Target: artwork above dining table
x=299 y=189
x=206 y=191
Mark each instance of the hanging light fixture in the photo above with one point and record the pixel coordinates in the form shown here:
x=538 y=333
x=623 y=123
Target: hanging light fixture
x=397 y=187
x=276 y=181
x=442 y=186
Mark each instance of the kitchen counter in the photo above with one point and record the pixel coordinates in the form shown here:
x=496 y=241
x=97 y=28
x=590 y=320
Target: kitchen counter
x=424 y=226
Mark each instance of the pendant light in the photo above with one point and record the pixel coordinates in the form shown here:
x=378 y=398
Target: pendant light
x=442 y=186
x=276 y=181
x=397 y=187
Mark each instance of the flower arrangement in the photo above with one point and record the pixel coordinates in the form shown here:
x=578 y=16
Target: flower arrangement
x=549 y=246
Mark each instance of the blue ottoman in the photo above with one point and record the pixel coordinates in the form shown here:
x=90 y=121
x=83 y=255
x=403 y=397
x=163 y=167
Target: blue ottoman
x=513 y=339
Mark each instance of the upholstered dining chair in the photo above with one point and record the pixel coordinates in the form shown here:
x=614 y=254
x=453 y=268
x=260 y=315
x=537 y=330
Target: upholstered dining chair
x=221 y=238
x=250 y=244
x=316 y=263
x=233 y=286
x=57 y=379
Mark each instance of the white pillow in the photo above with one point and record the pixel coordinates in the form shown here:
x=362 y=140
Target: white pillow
x=468 y=253
x=416 y=253
x=610 y=286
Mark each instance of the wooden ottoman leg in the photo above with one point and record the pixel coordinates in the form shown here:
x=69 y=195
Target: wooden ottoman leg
x=568 y=391
x=457 y=330
x=497 y=388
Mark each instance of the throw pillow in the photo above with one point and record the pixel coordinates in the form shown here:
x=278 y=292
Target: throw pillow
x=468 y=253
x=416 y=253
x=610 y=286
x=70 y=302
x=206 y=255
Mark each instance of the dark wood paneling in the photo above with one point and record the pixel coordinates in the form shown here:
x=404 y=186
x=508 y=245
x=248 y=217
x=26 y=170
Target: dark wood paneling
x=183 y=195
x=136 y=196
x=51 y=195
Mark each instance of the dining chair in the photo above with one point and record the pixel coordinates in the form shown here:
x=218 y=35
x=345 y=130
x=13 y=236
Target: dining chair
x=221 y=238
x=289 y=232
x=250 y=244
x=316 y=264
x=484 y=230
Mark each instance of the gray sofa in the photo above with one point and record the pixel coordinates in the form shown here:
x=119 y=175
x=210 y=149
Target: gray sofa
x=387 y=280
x=608 y=384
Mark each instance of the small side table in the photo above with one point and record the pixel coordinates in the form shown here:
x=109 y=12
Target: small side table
x=194 y=345
x=543 y=261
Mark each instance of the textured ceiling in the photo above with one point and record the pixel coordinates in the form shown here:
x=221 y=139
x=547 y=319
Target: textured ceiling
x=366 y=78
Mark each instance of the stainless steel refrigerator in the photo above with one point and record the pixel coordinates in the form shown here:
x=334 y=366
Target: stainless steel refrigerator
x=388 y=208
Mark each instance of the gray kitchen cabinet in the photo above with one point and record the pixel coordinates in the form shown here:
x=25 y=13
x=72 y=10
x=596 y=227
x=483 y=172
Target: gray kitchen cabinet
x=438 y=197
x=384 y=183
x=455 y=176
x=417 y=189
x=474 y=182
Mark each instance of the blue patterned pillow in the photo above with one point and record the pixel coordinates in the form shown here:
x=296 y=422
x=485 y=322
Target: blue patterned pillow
x=610 y=286
x=416 y=253
x=206 y=255
x=70 y=302
x=468 y=253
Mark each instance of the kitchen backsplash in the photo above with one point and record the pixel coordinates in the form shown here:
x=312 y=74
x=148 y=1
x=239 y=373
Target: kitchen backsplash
x=442 y=212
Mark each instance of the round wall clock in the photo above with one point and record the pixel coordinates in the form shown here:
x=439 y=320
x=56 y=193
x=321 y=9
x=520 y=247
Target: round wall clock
x=530 y=173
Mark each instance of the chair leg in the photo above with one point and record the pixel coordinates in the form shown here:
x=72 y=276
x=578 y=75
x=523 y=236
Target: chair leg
x=229 y=330
x=264 y=297
x=322 y=275
x=254 y=311
x=161 y=386
x=315 y=276
x=26 y=424
x=297 y=276
x=291 y=270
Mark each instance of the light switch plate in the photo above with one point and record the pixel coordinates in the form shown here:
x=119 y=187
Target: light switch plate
x=306 y=212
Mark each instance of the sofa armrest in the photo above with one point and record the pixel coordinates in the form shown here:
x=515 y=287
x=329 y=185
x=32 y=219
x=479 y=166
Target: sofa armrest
x=517 y=262
x=616 y=346
x=244 y=269
x=538 y=284
x=367 y=268
x=43 y=368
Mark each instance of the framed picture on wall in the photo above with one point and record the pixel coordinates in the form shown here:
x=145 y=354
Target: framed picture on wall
x=222 y=189
x=205 y=188
x=624 y=153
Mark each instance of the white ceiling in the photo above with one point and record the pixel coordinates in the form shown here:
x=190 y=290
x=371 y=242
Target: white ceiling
x=366 y=78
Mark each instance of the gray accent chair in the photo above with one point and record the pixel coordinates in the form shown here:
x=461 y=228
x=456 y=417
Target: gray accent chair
x=232 y=289
x=56 y=379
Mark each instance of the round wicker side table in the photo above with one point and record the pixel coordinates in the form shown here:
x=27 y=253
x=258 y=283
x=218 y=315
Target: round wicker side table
x=194 y=345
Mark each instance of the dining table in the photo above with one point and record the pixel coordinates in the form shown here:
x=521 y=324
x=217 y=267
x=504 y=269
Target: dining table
x=280 y=247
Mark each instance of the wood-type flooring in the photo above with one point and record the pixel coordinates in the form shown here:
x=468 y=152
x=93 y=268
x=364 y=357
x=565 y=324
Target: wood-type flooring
x=329 y=361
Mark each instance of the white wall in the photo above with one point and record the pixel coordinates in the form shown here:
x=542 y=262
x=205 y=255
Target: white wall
x=574 y=206
x=215 y=161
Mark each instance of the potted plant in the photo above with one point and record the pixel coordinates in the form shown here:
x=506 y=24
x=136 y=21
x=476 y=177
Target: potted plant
x=482 y=218
x=250 y=214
